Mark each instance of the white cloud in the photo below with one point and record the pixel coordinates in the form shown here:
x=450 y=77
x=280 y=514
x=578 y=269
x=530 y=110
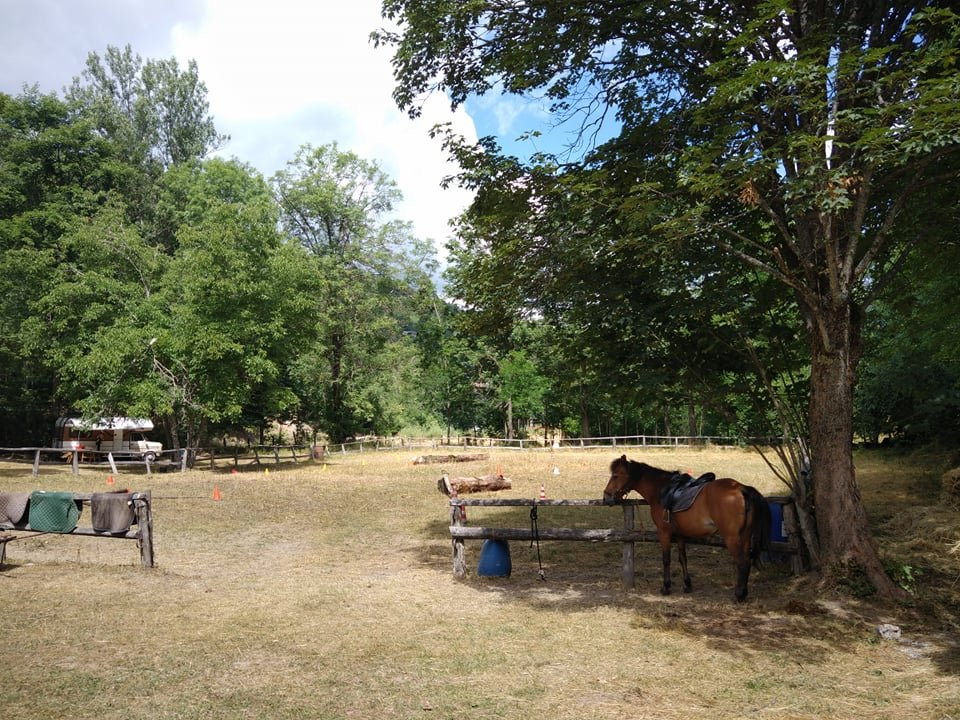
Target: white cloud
x=293 y=72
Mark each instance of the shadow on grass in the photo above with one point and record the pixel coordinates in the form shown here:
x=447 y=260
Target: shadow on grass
x=783 y=613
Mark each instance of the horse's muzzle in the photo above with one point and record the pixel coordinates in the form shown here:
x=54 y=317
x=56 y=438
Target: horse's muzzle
x=611 y=499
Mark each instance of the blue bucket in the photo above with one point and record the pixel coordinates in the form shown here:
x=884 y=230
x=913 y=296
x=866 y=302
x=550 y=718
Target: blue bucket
x=778 y=532
x=494 y=559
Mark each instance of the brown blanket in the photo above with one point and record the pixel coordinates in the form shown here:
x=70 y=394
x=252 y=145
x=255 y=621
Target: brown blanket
x=112 y=512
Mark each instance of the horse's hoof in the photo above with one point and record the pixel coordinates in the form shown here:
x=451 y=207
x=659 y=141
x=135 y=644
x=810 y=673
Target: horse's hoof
x=739 y=598
x=688 y=588
x=664 y=590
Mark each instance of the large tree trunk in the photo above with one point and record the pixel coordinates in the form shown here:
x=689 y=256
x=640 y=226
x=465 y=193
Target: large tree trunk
x=584 y=416
x=846 y=543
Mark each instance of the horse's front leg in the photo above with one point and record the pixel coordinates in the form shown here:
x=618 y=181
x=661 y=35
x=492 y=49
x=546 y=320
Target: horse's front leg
x=682 y=557
x=665 y=548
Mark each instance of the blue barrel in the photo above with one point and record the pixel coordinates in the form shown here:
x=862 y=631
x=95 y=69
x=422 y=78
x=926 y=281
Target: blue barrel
x=777 y=532
x=494 y=559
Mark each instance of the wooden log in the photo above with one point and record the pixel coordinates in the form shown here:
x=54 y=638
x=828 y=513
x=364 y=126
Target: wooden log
x=558 y=533
x=436 y=459
x=460 y=485
x=586 y=535
x=528 y=502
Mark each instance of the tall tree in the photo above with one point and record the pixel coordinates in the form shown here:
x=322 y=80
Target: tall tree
x=338 y=206
x=833 y=124
x=156 y=110
x=194 y=338
x=54 y=170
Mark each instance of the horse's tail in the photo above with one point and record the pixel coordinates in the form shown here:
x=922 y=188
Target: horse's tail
x=759 y=511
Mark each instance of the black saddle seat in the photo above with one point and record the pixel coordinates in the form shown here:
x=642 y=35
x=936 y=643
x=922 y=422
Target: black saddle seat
x=678 y=494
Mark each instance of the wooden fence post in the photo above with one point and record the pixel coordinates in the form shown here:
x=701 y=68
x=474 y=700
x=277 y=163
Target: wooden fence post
x=629 y=548
x=36 y=463
x=459 y=555
x=142 y=508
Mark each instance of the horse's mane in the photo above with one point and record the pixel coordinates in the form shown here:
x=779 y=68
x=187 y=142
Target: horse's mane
x=637 y=466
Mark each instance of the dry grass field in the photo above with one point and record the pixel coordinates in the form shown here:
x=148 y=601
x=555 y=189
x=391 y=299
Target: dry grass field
x=325 y=591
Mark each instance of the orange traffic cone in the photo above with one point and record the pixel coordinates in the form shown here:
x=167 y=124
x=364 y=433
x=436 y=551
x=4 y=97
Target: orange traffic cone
x=216 y=493
x=109 y=479
x=543 y=492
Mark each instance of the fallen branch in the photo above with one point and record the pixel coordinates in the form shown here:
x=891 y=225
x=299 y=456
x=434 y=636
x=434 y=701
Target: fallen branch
x=433 y=459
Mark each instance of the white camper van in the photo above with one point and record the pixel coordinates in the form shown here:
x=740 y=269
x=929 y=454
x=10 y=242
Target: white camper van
x=119 y=435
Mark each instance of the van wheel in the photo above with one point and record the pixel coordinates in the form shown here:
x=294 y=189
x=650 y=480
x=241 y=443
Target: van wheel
x=150 y=457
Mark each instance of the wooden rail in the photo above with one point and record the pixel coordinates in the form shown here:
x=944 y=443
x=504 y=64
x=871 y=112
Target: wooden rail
x=143 y=519
x=628 y=534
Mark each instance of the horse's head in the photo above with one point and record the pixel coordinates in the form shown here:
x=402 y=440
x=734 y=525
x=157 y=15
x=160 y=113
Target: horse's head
x=619 y=483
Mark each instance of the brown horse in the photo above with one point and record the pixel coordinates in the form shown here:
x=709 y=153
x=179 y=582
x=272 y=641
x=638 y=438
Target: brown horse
x=738 y=513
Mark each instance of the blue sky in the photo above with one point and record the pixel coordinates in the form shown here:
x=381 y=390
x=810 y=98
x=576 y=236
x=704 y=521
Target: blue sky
x=510 y=118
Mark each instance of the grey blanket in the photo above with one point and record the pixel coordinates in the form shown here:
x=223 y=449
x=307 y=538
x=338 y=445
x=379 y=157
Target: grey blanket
x=13 y=508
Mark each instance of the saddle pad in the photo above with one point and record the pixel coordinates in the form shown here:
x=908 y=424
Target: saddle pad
x=678 y=495
x=111 y=512
x=13 y=507
x=53 y=511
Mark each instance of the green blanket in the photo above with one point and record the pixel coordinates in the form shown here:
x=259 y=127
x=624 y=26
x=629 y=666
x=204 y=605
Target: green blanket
x=53 y=511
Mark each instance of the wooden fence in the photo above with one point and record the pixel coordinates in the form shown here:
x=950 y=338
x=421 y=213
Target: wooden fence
x=143 y=520
x=176 y=460
x=628 y=534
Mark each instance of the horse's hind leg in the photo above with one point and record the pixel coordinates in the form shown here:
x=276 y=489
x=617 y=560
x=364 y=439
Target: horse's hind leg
x=682 y=556
x=743 y=575
x=739 y=551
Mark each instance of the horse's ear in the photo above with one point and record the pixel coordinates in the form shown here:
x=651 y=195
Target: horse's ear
x=623 y=457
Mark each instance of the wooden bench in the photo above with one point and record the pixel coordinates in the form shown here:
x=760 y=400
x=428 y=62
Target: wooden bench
x=628 y=534
x=4 y=539
x=143 y=520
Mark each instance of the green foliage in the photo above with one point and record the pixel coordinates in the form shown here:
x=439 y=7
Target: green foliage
x=909 y=387
x=362 y=376
x=155 y=111
x=906 y=576
x=139 y=279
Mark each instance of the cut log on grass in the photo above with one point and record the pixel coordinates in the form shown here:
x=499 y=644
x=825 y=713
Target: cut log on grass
x=463 y=485
x=433 y=459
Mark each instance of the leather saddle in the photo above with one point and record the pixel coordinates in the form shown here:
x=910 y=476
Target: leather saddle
x=678 y=494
